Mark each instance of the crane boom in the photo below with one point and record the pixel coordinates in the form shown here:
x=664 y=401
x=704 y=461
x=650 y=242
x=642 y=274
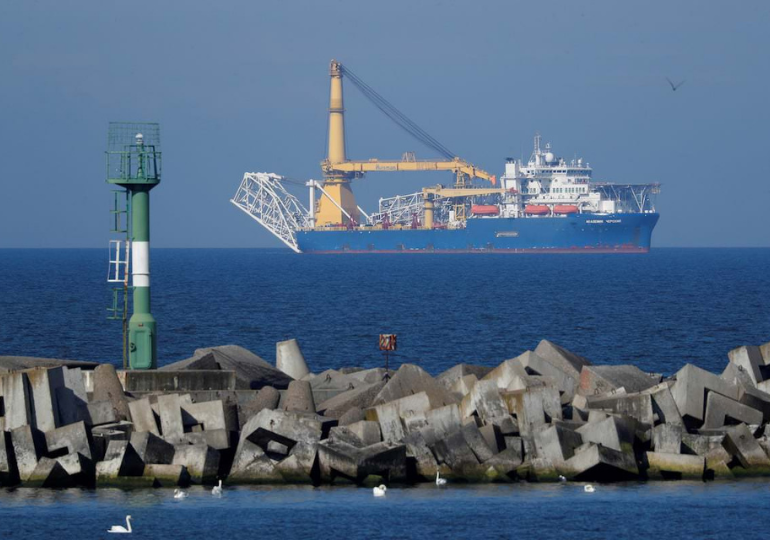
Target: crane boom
x=456 y=165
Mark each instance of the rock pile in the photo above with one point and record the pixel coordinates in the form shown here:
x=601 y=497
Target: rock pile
x=544 y=414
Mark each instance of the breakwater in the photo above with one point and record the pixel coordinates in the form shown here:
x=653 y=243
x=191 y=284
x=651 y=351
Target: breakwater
x=226 y=414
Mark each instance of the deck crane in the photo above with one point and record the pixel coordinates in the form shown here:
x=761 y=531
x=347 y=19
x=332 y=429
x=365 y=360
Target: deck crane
x=338 y=207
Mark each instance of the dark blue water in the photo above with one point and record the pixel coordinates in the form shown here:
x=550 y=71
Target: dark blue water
x=657 y=311
x=653 y=510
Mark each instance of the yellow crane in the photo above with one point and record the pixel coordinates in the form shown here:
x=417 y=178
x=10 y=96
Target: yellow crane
x=338 y=171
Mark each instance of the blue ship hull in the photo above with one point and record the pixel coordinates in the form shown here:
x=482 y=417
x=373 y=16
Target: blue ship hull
x=593 y=233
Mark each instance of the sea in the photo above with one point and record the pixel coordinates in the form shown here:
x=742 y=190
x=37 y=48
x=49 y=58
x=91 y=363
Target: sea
x=657 y=311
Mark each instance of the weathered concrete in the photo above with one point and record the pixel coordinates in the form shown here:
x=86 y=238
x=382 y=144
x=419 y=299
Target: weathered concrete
x=299 y=398
x=535 y=365
x=107 y=387
x=151 y=449
x=720 y=409
x=638 y=406
x=534 y=407
x=675 y=466
x=252 y=466
x=602 y=379
x=450 y=377
x=411 y=379
x=664 y=405
x=17 y=399
x=143 y=416
x=444 y=420
x=667 y=438
x=362 y=397
x=98 y=413
x=300 y=466
x=72 y=399
x=170 y=412
x=353 y=415
x=504 y=464
x=188 y=380
x=289 y=359
x=48 y=473
x=596 y=462
x=692 y=385
x=455 y=451
x=201 y=461
x=74 y=438
x=28 y=447
x=251 y=371
x=44 y=384
x=566 y=361
x=331 y=382
x=740 y=443
x=556 y=444
x=208 y=414
x=484 y=400
x=612 y=432
x=120 y=460
x=8 y=472
x=477 y=443
x=266 y=398
x=750 y=359
x=505 y=373
x=167 y=475
x=368 y=432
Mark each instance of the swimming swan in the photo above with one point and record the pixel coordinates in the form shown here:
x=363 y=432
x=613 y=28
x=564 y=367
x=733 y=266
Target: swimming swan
x=120 y=528
x=217 y=490
x=588 y=488
x=179 y=494
x=379 y=491
x=440 y=481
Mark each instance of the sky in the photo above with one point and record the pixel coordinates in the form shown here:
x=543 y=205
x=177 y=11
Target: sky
x=243 y=86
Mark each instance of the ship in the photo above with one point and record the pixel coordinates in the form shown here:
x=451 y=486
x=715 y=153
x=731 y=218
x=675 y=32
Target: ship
x=544 y=205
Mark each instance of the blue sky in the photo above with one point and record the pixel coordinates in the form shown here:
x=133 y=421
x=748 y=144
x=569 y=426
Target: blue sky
x=243 y=86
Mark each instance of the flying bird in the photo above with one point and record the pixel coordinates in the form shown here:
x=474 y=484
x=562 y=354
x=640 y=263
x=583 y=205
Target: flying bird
x=674 y=86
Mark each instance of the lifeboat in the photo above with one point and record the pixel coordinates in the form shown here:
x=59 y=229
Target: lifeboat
x=485 y=210
x=563 y=209
x=537 y=210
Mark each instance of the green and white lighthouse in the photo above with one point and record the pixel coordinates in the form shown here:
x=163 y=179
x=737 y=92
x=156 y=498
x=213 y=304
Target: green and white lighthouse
x=134 y=163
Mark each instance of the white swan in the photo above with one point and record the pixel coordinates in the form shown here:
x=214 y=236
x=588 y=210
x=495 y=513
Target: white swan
x=440 y=481
x=379 y=491
x=179 y=494
x=588 y=488
x=120 y=528
x=217 y=490
x=562 y=478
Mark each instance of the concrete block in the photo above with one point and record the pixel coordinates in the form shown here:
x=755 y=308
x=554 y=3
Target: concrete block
x=505 y=373
x=720 y=410
x=74 y=438
x=418 y=450
x=556 y=444
x=566 y=361
x=28 y=447
x=740 y=443
x=675 y=466
x=218 y=439
x=717 y=460
x=284 y=427
x=107 y=387
x=119 y=460
x=638 y=406
x=290 y=360
x=266 y=398
x=594 y=462
x=477 y=443
x=44 y=384
x=392 y=427
x=330 y=383
x=455 y=451
x=749 y=358
x=167 y=475
x=368 y=432
x=361 y=397
x=504 y=463
x=48 y=473
x=538 y=470
x=353 y=415
x=535 y=365
x=409 y=380
x=449 y=378
x=9 y=474
x=493 y=437
x=201 y=461
x=692 y=385
x=79 y=468
x=701 y=445
x=337 y=459
x=602 y=379
x=462 y=386
x=299 y=466
x=612 y=432
x=345 y=435
x=444 y=420
x=252 y=466
x=143 y=416
x=170 y=412
x=71 y=397
x=151 y=449
x=667 y=438
x=484 y=400
x=209 y=414
x=17 y=400
x=299 y=397
x=98 y=413
x=765 y=351
x=533 y=407
x=664 y=405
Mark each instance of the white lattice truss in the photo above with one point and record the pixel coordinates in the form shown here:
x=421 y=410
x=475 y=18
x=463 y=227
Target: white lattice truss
x=400 y=209
x=263 y=197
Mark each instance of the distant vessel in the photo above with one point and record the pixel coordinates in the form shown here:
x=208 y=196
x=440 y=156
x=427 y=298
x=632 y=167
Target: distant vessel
x=546 y=205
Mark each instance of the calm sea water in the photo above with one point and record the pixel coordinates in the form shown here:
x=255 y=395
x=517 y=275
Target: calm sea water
x=653 y=510
x=657 y=311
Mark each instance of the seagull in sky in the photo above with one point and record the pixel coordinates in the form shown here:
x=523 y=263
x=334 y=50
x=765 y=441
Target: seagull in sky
x=674 y=86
